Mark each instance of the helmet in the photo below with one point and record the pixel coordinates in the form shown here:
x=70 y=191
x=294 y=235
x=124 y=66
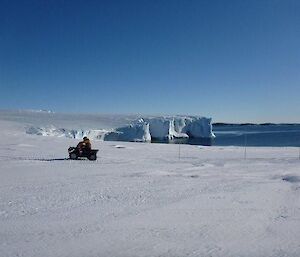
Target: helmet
x=85 y=138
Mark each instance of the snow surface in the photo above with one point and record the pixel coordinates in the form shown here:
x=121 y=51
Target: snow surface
x=146 y=199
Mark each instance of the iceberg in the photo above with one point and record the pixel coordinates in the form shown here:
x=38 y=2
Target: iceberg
x=160 y=128
x=164 y=128
x=133 y=133
x=196 y=127
x=127 y=128
x=179 y=127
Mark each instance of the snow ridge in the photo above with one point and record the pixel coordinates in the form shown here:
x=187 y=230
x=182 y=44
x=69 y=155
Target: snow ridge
x=69 y=133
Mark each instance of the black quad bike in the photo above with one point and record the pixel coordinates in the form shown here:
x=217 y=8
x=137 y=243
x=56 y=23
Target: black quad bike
x=74 y=153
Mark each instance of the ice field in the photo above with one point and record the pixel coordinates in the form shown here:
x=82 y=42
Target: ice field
x=142 y=199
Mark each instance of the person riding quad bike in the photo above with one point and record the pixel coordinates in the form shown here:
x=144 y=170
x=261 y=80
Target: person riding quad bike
x=84 y=146
x=83 y=149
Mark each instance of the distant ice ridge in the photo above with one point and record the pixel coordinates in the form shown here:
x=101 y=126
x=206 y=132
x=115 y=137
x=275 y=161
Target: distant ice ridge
x=69 y=133
x=36 y=111
x=140 y=130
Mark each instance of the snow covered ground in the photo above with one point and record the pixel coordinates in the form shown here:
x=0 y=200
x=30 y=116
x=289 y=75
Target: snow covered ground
x=143 y=199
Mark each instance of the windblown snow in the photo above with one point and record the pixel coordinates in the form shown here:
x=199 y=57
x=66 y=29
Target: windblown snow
x=145 y=199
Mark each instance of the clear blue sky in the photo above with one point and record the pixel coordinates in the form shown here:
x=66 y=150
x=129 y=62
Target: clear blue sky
x=230 y=60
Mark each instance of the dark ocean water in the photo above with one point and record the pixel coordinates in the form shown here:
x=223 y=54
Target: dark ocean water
x=250 y=135
x=257 y=135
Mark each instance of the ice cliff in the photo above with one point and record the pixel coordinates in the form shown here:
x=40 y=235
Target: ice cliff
x=180 y=127
x=166 y=128
x=140 y=130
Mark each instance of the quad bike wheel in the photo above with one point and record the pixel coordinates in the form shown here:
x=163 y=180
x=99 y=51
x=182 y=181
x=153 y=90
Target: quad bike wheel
x=92 y=157
x=73 y=156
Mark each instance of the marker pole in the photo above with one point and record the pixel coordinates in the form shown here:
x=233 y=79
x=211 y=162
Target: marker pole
x=245 y=149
